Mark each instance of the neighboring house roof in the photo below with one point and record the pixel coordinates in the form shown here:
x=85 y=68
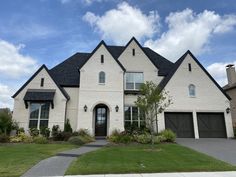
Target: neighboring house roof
x=229 y=87
x=164 y=82
x=67 y=73
x=35 y=74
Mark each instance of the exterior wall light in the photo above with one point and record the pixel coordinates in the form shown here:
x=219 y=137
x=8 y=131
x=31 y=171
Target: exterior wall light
x=117 y=108
x=227 y=110
x=85 y=108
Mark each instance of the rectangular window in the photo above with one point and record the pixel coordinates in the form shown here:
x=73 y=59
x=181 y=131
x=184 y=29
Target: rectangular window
x=134 y=81
x=134 y=117
x=42 y=82
x=133 y=51
x=39 y=115
x=102 y=58
x=189 y=67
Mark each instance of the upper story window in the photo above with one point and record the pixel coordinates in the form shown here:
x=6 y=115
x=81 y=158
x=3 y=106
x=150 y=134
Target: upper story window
x=192 y=90
x=133 y=80
x=42 y=82
x=102 y=58
x=102 y=77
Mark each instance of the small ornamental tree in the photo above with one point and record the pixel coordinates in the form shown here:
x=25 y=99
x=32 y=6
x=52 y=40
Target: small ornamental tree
x=152 y=102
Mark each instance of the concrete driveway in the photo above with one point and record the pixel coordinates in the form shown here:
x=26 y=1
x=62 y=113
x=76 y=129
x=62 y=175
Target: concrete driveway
x=223 y=149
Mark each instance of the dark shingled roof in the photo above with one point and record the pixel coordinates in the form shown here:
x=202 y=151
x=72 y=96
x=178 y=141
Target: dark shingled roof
x=67 y=73
x=39 y=95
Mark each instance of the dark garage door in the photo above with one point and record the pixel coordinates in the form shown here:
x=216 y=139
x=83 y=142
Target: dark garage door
x=180 y=123
x=211 y=125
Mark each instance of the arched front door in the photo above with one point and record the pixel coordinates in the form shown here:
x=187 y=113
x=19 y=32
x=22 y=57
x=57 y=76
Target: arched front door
x=101 y=120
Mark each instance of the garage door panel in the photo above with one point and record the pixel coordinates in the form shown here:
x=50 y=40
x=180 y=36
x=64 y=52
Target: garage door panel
x=211 y=125
x=180 y=123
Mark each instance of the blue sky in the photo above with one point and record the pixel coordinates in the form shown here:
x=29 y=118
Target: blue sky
x=39 y=32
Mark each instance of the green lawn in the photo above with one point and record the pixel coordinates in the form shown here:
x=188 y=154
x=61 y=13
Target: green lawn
x=15 y=159
x=139 y=158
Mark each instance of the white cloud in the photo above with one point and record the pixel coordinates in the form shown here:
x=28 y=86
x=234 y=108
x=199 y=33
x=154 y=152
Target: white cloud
x=13 y=63
x=218 y=71
x=120 y=24
x=5 y=97
x=188 y=30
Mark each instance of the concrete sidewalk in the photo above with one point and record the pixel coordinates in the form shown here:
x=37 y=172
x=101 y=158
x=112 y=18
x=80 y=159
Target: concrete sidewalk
x=57 y=165
x=184 y=174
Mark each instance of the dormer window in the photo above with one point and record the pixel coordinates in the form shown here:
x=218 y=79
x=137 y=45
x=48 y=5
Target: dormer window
x=102 y=77
x=102 y=58
x=42 y=82
x=133 y=51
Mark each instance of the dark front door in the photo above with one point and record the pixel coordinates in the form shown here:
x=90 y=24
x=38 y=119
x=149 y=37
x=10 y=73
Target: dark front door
x=211 y=125
x=101 y=121
x=181 y=123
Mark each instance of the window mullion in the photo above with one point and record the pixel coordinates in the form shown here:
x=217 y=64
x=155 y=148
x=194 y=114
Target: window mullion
x=131 y=114
x=39 y=116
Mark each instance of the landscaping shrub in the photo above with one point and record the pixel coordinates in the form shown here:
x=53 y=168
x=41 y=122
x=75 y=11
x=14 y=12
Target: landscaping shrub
x=120 y=137
x=34 y=132
x=64 y=136
x=167 y=136
x=21 y=137
x=67 y=126
x=40 y=140
x=77 y=140
x=21 y=130
x=143 y=138
x=56 y=133
x=4 y=138
x=83 y=132
x=44 y=131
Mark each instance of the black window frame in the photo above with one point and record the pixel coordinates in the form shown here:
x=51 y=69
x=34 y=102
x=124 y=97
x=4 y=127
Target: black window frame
x=42 y=82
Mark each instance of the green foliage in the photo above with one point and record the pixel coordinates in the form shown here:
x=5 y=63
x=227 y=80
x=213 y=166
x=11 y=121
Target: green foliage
x=34 y=132
x=21 y=130
x=21 y=137
x=45 y=132
x=143 y=138
x=4 y=138
x=67 y=126
x=167 y=136
x=6 y=122
x=120 y=137
x=40 y=140
x=83 y=132
x=56 y=133
x=80 y=140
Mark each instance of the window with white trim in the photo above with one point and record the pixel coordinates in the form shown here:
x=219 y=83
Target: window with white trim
x=39 y=115
x=134 y=117
x=102 y=77
x=133 y=80
x=192 y=90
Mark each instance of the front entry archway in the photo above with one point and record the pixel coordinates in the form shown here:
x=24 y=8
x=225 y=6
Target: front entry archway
x=101 y=114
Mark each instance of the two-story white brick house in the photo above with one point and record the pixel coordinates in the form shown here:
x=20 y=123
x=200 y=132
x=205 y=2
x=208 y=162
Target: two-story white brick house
x=97 y=91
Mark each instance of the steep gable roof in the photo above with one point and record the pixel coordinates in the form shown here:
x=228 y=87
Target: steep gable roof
x=34 y=75
x=164 y=82
x=103 y=43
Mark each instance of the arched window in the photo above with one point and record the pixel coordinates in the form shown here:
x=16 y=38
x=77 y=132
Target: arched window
x=102 y=77
x=192 y=90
